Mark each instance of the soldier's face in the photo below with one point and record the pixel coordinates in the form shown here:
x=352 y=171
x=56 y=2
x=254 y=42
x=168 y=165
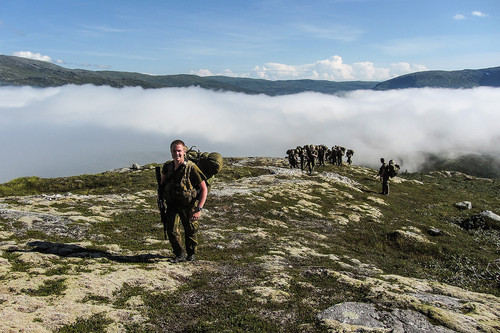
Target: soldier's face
x=178 y=153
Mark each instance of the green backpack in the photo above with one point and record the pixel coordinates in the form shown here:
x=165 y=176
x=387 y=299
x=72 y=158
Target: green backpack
x=393 y=168
x=209 y=163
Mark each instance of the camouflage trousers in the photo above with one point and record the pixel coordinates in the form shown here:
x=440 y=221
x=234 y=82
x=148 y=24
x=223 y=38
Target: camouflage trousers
x=183 y=215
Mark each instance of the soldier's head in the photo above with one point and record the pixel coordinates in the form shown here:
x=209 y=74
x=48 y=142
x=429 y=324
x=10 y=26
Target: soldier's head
x=382 y=160
x=178 y=150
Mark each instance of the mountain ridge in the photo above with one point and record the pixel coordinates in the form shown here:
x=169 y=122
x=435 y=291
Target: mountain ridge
x=466 y=78
x=17 y=71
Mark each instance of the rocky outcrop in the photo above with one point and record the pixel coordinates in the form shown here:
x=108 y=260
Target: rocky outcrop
x=354 y=316
x=485 y=220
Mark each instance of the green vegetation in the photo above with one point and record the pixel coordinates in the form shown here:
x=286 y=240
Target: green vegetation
x=103 y=183
x=16 y=264
x=96 y=324
x=48 y=288
x=270 y=254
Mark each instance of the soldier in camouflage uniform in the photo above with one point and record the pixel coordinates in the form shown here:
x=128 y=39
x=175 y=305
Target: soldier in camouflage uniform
x=334 y=155
x=292 y=158
x=340 y=153
x=383 y=173
x=321 y=154
x=185 y=192
x=311 y=155
x=349 y=153
x=301 y=154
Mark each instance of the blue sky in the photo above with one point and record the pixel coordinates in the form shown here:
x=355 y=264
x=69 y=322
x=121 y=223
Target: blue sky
x=326 y=39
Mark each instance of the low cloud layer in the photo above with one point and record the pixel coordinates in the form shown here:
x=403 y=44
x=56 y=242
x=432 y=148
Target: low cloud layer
x=333 y=68
x=84 y=129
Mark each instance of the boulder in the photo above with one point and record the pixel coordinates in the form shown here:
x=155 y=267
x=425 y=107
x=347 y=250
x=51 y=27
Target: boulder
x=485 y=220
x=463 y=205
x=435 y=231
x=408 y=238
x=492 y=219
x=364 y=317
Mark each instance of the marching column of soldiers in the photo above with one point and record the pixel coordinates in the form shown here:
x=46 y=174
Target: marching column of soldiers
x=305 y=157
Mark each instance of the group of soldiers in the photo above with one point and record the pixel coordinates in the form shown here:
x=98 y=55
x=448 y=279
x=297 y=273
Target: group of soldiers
x=306 y=157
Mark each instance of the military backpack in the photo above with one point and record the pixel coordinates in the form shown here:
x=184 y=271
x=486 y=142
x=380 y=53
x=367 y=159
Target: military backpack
x=209 y=163
x=392 y=168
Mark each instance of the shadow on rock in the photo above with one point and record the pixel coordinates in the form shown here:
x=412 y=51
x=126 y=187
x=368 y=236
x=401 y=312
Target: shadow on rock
x=72 y=250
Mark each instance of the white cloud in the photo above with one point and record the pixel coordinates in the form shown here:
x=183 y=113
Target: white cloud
x=402 y=68
x=31 y=55
x=479 y=14
x=82 y=129
x=202 y=72
x=226 y=72
x=333 y=69
x=98 y=66
x=459 y=17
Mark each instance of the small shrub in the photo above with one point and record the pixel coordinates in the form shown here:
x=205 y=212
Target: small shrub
x=49 y=287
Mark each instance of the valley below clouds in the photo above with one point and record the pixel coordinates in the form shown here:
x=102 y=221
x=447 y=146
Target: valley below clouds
x=70 y=130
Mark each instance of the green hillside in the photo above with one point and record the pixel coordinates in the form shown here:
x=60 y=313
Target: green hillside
x=466 y=78
x=280 y=251
x=284 y=87
x=18 y=71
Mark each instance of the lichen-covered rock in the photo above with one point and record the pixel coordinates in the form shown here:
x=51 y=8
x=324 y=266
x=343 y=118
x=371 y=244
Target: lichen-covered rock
x=364 y=317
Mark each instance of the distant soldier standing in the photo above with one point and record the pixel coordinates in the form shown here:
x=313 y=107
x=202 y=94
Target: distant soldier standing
x=349 y=154
x=340 y=153
x=301 y=152
x=292 y=158
x=334 y=155
x=311 y=155
x=321 y=154
x=383 y=173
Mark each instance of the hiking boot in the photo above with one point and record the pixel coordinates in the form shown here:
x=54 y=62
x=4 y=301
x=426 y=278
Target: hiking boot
x=191 y=257
x=179 y=258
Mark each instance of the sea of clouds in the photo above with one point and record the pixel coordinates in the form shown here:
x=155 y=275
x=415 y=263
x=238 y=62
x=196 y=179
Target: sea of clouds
x=72 y=130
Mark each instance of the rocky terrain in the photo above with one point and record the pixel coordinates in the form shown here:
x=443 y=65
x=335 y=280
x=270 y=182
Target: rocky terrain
x=280 y=251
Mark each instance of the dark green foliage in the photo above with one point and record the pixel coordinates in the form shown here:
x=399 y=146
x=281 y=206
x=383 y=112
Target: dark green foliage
x=124 y=294
x=95 y=324
x=207 y=304
x=16 y=264
x=48 y=288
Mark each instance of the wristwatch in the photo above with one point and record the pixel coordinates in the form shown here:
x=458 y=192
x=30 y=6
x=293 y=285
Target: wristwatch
x=198 y=209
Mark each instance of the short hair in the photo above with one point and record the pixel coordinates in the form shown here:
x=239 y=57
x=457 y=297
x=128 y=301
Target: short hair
x=382 y=160
x=177 y=142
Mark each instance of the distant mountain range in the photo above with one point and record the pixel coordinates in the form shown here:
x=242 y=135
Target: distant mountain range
x=467 y=78
x=16 y=71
